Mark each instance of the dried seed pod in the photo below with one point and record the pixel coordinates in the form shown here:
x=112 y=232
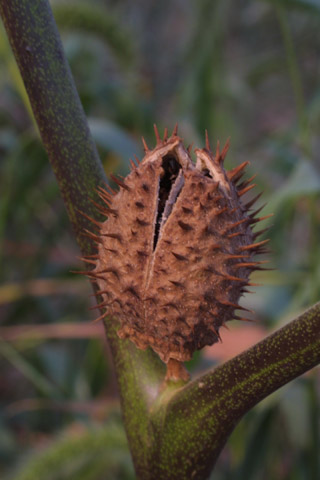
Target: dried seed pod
x=176 y=251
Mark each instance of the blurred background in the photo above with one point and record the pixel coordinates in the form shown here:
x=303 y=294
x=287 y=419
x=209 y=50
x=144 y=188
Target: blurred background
x=245 y=69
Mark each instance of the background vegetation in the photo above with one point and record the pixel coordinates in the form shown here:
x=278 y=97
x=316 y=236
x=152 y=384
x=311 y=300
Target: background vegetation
x=248 y=69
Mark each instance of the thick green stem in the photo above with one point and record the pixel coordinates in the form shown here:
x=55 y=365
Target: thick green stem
x=193 y=426
x=36 y=44
x=56 y=105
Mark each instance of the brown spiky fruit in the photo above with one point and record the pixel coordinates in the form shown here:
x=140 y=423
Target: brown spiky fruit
x=177 y=249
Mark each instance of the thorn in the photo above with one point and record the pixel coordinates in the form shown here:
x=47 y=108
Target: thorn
x=133 y=292
x=91 y=274
x=156 y=132
x=190 y=148
x=254 y=245
x=232 y=173
x=236 y=306
x=171 y=305
x=132 y=164
x=262 y=269
x=187 y=210
x=101 y=305
x=105 y=314
x=92 y=220
x=112 y=192
x=110 y=250
x=263 y=251
x=217 y=155
x=137 y=159
x=103 y=194
x=244 y=319
x=234 y=279
x=116 y=236
x=236 y=224
x=249 y=204
x=246 y=189
x=236 y=234
x=175 y=130
x=260 y=232
x=223 y=210
x=249 y=264
x=141 y=222
x=232 y=256
x=179 y=257
x=260 y=219
x=237 y=179
x=103 y=210
x=80 y=272
x=184 y=226
x=141 y=253
x=245 y=290
x=119 y=182
x=176 y=284
x=207 y=141
x=145 y=146
x=91 y=235
x=211 y=327
x=246 y=182
x=110 y=270
x=257 y=211
x=165 y=134
x=86 y=260
x=100 y=292
x=111 y=211
x=224 y=151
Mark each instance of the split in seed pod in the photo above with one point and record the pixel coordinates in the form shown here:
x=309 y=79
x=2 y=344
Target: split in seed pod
x=177 y=249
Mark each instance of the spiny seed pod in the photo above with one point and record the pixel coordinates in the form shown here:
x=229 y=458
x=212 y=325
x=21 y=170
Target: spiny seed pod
x=176 y=251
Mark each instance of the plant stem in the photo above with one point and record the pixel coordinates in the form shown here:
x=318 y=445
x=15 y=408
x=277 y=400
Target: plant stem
x=199 y=417
x=37 y=47
x=36 y=44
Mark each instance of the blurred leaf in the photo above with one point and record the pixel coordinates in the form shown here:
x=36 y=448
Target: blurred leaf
x=95 y=19
x=303 y=181
x=294 y=406
x=84 y=454
x=257 y=445
x=113 y=138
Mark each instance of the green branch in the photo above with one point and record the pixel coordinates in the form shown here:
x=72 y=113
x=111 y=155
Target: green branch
x=193 y=426
x=36 y=44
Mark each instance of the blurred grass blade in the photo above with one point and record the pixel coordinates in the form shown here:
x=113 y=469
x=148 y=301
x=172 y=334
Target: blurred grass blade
x=36 y=378
x=83 y=454
x=257 y=446
x=304 y=181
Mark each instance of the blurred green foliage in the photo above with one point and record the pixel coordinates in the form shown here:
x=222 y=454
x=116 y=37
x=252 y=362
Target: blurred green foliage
x=248 y=69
